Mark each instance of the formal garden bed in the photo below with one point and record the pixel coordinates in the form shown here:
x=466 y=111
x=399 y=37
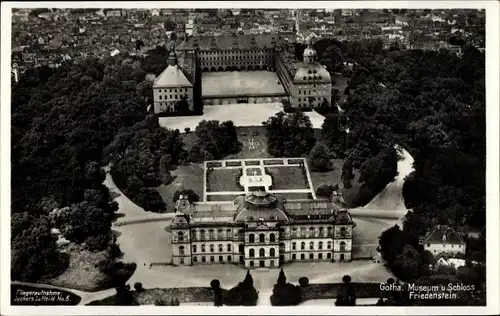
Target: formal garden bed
x=233 y=163
x=252 y=163
x=221 y=180
x=271 y=162
x=62 y=298
x=287 y=178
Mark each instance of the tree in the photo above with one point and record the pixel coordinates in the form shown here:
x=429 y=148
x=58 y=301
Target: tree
x=289 y=135
x=303 y=281
x=281 y=277
x=320 y=158
x=138 y=287
x=407 y=264
x=34 y=252
x=151 y=200
x=325 y=190
x=391 y=243
x=190 y=194
x=215 y=285
x=347 y=173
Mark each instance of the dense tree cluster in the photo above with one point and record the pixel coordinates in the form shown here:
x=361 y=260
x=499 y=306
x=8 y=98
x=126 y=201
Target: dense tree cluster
x=215 y=140
x=62 y=119
x=319 y=158
x=142 y=157
x=376 y=172
x=289 y=135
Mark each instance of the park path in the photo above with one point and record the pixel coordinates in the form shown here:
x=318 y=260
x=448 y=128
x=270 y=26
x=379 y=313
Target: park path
x=389 y=204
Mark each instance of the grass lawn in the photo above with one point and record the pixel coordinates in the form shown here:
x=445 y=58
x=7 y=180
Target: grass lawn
x=149 y=296
x=333 y=177
x=223 y=180
x=222 y=197
x=186 y=177
x=82 y=273
x=16 y=299
x=287 y=178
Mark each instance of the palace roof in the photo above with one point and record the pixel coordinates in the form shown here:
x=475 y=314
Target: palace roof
x=172 y=77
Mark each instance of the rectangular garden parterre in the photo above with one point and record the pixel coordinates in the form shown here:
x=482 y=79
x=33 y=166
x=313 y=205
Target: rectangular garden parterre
x=288 y=177
x=221 y=180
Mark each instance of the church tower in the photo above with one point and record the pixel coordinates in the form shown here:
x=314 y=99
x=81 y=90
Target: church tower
x=172 y=57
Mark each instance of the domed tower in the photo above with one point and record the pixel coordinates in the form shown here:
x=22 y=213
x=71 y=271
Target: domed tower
x=310 y=54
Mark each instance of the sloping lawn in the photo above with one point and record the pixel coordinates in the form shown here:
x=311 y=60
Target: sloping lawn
x=82 y=273
x=333 y=177
x=186 y=177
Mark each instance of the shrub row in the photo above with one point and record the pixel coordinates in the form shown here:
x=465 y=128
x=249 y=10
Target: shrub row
x=252 y=163
x=274 y=162
x=233 y=163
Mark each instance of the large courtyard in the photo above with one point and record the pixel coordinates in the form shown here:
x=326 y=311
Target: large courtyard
x=240 y=83
x=241 y=115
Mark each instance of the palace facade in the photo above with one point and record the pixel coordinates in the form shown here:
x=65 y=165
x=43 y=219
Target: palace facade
x=307 y=83
x=261 y=230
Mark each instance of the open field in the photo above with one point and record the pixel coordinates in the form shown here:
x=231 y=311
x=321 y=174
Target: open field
x=235 y=83
x=220 y=180
x=288 y=178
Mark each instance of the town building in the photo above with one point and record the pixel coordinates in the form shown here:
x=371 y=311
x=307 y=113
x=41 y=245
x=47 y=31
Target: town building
x=261 y=230
x=443 y=239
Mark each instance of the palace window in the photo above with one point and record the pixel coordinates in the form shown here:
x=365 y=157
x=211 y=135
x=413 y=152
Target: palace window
x=220 y=247
x=342 y=246
x=203 y=259
x=251 y=238
x=262 y=252
x=180 y=236
x=251 y=253
x=271 y=238
x=311 y=256
x=294 y=257
x=320 y=245
x=228 y=233
x=211 y=234
x=294 y=245
x=219 y=234
x=272 y=252
x=202 y=248
x=302 y=245
x=311 y=245
x=229 y=247
x=181 y=250
x=195 y=259
x=212 y=248
x=262 y=238
x=194 y=248
x=329 y=245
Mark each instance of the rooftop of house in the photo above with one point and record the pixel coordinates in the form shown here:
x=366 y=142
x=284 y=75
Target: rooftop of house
x=228 y=42
x=442 y=235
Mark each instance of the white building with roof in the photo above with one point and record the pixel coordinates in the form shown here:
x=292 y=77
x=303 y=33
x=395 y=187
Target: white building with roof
x=172 y=87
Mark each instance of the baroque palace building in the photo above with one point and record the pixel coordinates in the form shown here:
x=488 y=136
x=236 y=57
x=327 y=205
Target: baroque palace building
x=307 y=83
x=261 y=230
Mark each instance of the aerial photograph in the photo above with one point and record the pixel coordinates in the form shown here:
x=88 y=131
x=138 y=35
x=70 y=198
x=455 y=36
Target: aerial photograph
x=247 y=157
